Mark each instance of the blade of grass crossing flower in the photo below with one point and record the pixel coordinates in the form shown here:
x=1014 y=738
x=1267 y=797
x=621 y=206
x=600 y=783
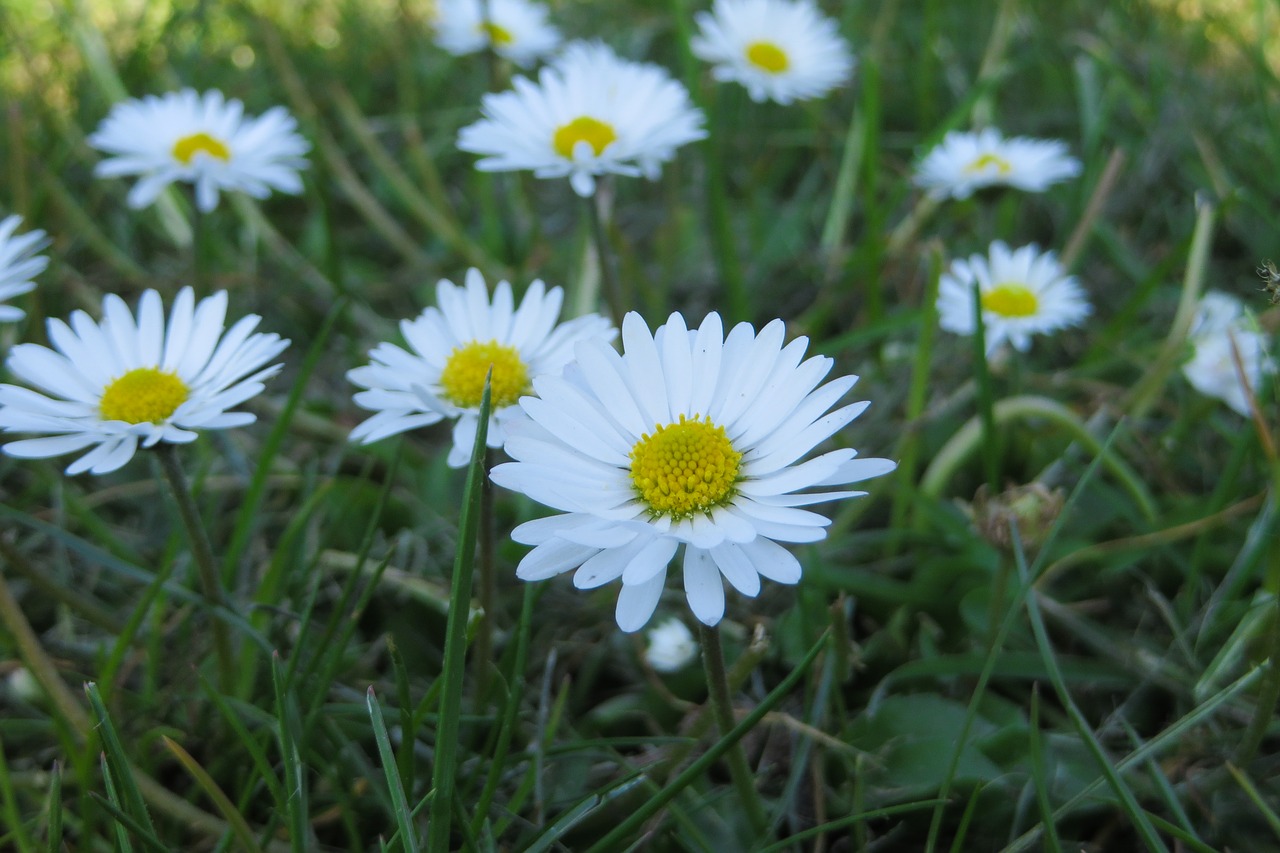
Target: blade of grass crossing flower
x=696 y=769
x=404 y=820
x=54 y=808
x=1035 y=752
x=444 y=773
x=295 y=782
x=17 y=834
x=239 y=827
x=986 y=398
x=118 y=760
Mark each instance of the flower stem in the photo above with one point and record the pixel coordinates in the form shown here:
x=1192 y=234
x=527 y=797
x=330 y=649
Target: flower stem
x=739 y=770
x=202 y=552
x=483 y=656
x=608 y=263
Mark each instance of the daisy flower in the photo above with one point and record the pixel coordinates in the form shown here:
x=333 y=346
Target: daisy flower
x=18 y=263
x=202 y=139
x=516 y=29
x=1221 y=330
x=781 y=50
x=453 y=347
x=965 y=162
x=589 y=114
x=689 y=438
x=671 y=646
x=124 y=381
x=1023 y=293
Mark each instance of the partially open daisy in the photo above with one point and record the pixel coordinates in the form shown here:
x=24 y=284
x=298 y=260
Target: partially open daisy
x=965 y=162
x=1023 y=293
x=1222 y=331
x=201 y=139
x=589 y=114
x=687 y=439
x=19 y=263
x=124 y=381
x=453 y=347
x=781 y=50
x=516 y=29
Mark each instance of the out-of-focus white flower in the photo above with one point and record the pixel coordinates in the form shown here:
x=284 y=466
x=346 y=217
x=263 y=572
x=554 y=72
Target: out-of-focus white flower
x=201 y=139
x=671 y=645
x=1023 y=293
x=1221 y=330
x=19 y=263
x=589 y=114
x=453 y=346
x=780 y=50
x=516 y=29
x=965 y=162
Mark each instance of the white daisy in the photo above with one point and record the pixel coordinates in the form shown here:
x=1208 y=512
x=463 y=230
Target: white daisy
x=589 y=114
x=671 y=646
x=18 y=264
x=965 y=162
x=687 y=438
x=515 y=29
x=1023 y=293
x=113 y=384
x=781 y=50
x=453 y=347
x=204 y=140
x=1221 y=330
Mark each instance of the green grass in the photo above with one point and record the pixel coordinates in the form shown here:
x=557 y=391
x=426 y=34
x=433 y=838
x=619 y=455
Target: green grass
x=1107 y=686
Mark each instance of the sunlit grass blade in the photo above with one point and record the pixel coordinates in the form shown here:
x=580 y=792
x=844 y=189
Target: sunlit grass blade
x=239 y=827
x=404 y=820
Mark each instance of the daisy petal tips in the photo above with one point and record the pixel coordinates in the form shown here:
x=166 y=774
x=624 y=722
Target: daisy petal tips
x=965 y=162
x=515 y=29
x=780 y=50
x=589 y=114
x=1023 y=293
x=19 y=263
x=452 y=347
x=128 y=381
x=687 y=440
x=201 y=139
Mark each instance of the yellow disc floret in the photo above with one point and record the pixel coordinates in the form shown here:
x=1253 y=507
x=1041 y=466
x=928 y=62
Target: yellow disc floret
x=1011 y=299
x=186 y=148
x=990 y=161
x=144 y=395
x=462 y=379
x=684 y=468
x=767 y=56
x=497 y=35
x=596 y=133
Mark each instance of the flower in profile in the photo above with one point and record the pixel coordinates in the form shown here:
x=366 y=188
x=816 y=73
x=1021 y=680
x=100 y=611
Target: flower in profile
x=453 y=346
x=202 y=139
x=589 y=114
x=1222 y=331
x=780 y=50
x=1023 y=293
x=671 y=645
x=516 y=29
x=965 y=162
x=124 y=381
x=19 y=263
x=688 y=438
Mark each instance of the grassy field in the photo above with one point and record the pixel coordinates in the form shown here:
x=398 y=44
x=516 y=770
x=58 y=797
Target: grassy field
x=1105 y=681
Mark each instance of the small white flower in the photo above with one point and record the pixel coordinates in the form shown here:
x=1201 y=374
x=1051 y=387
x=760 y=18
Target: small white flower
x=454 y=346
x=1023 y=293
x=671 y=645
x=18 y=264
x=1221 y=330
x=687 y=439
x=203 y=140
x=121 y=382
x=780 y=50
x=965 y=162
x=516 y=29
x=589 y=114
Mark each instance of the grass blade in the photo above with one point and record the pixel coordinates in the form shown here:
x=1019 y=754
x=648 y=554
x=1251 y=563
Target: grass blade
x=114 y=755
x=224 y=805
x=404 y=820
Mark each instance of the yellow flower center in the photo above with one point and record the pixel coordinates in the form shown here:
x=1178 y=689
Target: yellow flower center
x=463 y=376
x=990 y=161
x=767 y=56
x=186 y=148
x=144 y=395
x=594 y=132
x=1011 y=299
x=684 y=468
x=497 y=35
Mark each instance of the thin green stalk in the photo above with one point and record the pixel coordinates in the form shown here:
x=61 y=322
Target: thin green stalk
x=404 y=820
x=608 y=262
x=1264 y=711
x=444 y=772
x=722 y=707
x=482 y=658
x=986 y=397
x=736 y=299
x=202 y=553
